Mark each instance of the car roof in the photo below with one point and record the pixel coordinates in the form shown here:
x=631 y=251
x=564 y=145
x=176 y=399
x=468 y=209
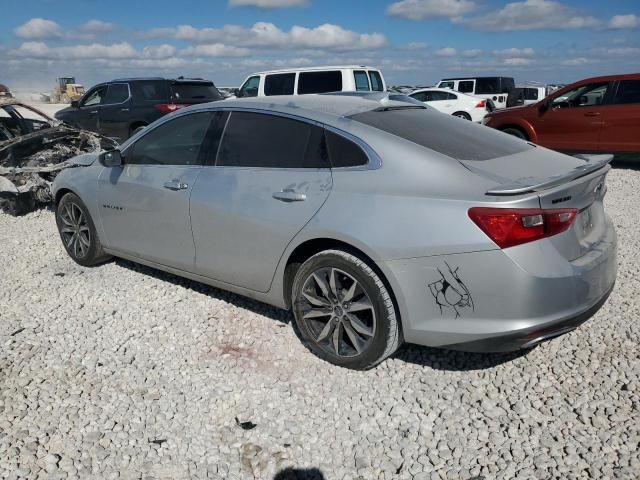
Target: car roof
x=316 y=68
x=609 y=78
x=473 y=78
x=176 y=80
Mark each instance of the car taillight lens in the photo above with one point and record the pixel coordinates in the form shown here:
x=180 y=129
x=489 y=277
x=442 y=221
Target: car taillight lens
x=481 y=104
x=509 y=227
x=169 y=107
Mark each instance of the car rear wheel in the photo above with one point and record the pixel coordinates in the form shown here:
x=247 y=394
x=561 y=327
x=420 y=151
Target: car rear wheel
x=77 y=232
x=516 y=132
x=464 y=115
x=343 y=311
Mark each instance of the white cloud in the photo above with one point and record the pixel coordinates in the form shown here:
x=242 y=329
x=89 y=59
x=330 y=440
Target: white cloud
x=267 y=35
x=159 y=51
x=422 y=9
x=532 y=15
x=215 y=50
x=619 y=51
x=473 y=52
x=92 y=51
x=446 y=52
x=268 y=4
x=39 y=29
x=517 y=61
x=573 y=62
x=624 y=21
x=97 y=26
x=416 y=46
x=515 y=52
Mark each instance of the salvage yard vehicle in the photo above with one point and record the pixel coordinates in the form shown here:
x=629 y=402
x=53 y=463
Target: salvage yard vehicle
x=376 y=221
x=454 y=103
x=310 y=80
x=595 y=115
x=495 y=89
x=33 y=149
x=123 y=107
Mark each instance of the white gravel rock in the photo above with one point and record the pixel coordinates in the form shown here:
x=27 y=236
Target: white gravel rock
x=121 y=371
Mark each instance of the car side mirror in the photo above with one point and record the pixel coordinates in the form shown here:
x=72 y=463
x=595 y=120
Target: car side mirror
x=544 y=106
x=75 y=104
x=236 y=92
x=111 y=158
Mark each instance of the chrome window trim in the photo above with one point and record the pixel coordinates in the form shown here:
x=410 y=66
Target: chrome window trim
x=110 y=104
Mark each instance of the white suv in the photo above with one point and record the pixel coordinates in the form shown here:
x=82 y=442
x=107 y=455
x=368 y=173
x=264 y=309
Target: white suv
x=301 y=81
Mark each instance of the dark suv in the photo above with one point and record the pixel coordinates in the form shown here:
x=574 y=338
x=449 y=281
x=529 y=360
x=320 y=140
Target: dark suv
x=119 y=108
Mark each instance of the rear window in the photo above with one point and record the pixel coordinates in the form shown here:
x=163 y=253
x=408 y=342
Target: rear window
x=444 y=134
x=628 y=92
x=279 y=84
x=116 y=93
x=362 y=81
x=320 y=82
x=194 y=92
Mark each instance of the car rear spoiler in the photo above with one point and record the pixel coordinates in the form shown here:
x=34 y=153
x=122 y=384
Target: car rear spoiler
x=593 y=163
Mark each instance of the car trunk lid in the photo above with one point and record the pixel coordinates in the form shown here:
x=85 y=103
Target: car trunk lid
x=559 y=181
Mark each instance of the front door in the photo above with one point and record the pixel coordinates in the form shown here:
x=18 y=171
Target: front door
x=574 y=119
x=87 y=114
x=144 y=204
x=114 y=113
x=271 y=176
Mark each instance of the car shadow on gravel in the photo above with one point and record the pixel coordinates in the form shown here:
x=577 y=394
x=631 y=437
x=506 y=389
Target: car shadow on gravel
x=254 y=306
x=453 y=360
x=299 y=474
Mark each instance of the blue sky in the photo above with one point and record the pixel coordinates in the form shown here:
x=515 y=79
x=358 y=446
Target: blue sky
x=412 y=41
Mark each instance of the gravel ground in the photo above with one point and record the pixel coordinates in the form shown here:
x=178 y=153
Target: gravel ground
x=121 y=371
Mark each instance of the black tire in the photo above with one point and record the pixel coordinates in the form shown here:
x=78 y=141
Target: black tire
x=379 y=319
x=516 y=132
x=463 y=115
x=78 y=232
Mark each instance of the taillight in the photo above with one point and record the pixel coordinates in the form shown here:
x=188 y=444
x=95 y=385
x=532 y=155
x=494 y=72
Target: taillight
x=169 y=107
x=481 y=104
x=509 y=227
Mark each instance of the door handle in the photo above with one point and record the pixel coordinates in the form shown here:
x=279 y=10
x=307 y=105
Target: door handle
x=124 y=109
x=93 y=112
x=289 y=196
x=175 y=185
x=592 y=114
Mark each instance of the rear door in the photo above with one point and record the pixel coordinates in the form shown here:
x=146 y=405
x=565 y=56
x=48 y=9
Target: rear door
x=271 y=176
x=575 y=119
x=144 y=204
x=621 y=130
x=114 y=112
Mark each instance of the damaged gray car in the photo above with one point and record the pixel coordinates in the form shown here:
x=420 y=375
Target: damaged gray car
x=34 y=148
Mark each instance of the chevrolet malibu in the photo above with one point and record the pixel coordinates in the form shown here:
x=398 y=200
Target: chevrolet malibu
x=375 y=221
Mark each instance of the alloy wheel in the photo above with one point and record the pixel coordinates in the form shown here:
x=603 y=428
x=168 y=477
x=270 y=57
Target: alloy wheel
x=337 y=312
x=75 y=230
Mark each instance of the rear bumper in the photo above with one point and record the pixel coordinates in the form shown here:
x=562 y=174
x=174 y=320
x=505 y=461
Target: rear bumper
x=530 y=337
x=502 y=300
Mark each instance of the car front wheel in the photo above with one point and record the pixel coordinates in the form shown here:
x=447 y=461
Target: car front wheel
x=343 y=310
x=77 y=232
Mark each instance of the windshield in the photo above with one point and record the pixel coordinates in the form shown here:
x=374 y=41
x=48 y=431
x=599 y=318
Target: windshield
x=194 y=92
x=444 y=134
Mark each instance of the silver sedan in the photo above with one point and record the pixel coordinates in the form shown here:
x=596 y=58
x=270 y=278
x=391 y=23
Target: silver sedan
x=375 y=221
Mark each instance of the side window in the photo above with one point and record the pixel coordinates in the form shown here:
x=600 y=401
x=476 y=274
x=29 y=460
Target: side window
x=271 y=141
x=362 y=81
x=150 y=90
x=451 y=85
x=420 y=96
x=320 y=82
x=530 y=94
x=279 y=84
x=344 y=152
x=116 y=93
x=94 y=97
x=438 y=96
x=176 y=142
x=466 y=86
x=376 y=81
x=452 y=96
x=585 y=96
x=628 y=92
x=250 y=87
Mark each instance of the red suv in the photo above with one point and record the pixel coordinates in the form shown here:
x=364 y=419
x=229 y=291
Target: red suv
x=600 y=114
